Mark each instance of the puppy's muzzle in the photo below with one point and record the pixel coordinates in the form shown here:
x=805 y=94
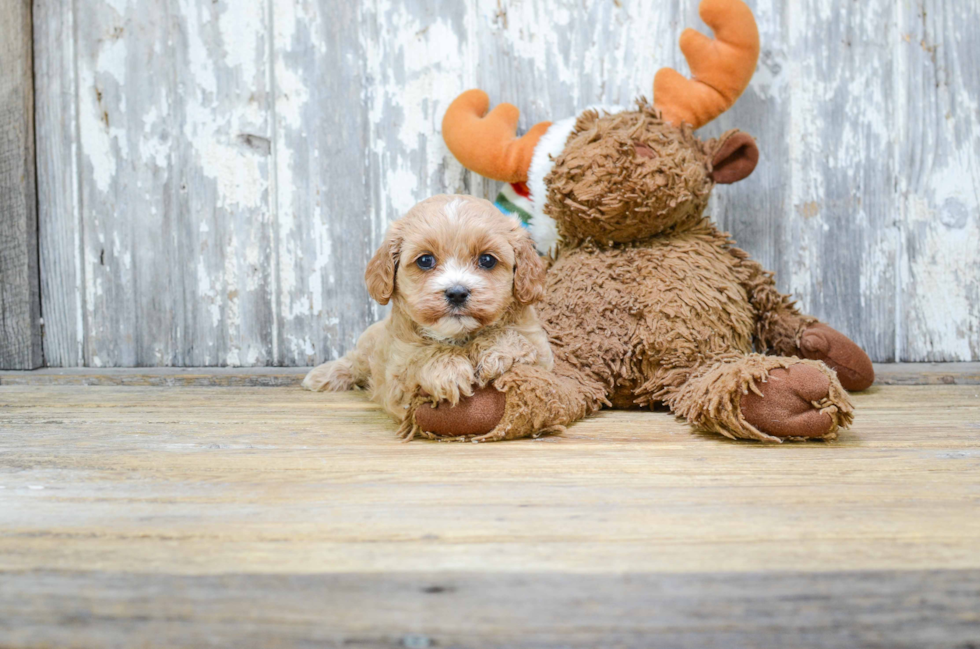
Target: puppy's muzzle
x=457 y=295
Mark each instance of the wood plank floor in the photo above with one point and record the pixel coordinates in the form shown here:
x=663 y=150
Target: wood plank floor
x=269 y=516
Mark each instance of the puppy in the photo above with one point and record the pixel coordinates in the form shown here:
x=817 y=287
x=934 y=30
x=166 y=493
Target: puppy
x=461 y=278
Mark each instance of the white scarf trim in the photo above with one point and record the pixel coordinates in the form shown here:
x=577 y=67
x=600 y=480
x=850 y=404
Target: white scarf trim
x=543 y=228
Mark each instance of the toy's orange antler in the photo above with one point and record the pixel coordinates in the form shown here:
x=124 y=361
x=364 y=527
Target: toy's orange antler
x=487 y=144
x=721 y=67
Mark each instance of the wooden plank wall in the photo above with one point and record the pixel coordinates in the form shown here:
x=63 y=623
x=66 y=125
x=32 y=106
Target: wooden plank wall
x=214 y=176
x=20 y=302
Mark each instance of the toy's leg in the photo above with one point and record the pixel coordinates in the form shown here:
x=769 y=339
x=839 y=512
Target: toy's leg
x=782 y=330
x=790 y=334
x=819 y=342
x=767 y=398
x=808 y=338
x=526 y=401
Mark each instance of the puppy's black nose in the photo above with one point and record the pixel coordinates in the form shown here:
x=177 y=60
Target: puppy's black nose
x=457 y=295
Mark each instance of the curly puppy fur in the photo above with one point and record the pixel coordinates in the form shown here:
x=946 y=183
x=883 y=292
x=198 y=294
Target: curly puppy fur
x=431 y=348
x=647 y=302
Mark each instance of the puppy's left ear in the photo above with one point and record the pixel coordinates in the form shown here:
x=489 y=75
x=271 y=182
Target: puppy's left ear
x=529 y=269
x=380 y=273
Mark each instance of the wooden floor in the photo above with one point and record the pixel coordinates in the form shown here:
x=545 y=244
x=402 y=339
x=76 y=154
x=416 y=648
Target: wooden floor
x=267 y=516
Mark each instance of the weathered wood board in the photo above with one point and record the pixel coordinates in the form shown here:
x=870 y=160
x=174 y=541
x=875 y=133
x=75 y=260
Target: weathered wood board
x=214 y=176
x=20 y=299
x=258 y=517
x=902 y=609
x=885 y=374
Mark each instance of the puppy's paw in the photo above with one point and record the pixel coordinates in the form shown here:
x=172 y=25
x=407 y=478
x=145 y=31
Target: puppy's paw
x=498 y=361
x=334 y=376
x=492 y=365
x=447 y=379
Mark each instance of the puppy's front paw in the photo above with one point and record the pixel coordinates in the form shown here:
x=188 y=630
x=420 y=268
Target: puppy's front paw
x=493 y=365
x=334 y=376
x=497 y=362
x=447 y=379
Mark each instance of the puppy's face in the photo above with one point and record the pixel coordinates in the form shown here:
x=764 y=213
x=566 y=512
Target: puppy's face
x=455 y=264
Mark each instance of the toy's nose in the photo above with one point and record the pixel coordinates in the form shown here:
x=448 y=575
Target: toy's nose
x=457 y=295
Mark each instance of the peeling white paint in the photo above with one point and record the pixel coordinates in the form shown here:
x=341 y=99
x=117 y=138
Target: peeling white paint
x=102 y=143
x=242 y=27
x=214 y=152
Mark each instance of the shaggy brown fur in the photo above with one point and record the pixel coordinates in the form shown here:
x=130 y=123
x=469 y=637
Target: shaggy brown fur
x=624 y=177
x=647 y=302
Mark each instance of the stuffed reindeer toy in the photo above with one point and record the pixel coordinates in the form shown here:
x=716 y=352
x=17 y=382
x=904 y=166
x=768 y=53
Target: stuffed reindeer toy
x=646 y=301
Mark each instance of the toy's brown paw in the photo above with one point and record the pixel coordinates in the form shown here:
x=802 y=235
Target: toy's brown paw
x=475 y=415
x=838 y=352
x=787 y=408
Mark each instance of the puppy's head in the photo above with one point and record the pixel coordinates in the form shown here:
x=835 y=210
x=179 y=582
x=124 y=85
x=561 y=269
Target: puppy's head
x=455 y=264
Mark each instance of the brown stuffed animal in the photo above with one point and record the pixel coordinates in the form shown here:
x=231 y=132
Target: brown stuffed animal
x=647 y=302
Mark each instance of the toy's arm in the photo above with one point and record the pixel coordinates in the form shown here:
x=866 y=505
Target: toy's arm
x=781 y=329
x=779 y=323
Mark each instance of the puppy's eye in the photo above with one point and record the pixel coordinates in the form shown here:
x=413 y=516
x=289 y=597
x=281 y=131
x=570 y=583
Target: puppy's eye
x=426 y=262
x=487 y=261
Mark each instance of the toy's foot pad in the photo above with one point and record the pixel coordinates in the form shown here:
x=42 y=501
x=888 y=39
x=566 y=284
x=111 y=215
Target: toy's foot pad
x=476 y=415
x=787 y=407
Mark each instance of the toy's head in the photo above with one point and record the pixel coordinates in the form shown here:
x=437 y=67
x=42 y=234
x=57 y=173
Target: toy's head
x=617 y=175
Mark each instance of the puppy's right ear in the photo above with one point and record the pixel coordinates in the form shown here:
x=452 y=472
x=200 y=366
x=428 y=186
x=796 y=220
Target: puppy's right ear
x=380 y=273
x=529 y=270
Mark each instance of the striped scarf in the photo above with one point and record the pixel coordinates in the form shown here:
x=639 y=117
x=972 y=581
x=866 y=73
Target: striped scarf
x=514 y=199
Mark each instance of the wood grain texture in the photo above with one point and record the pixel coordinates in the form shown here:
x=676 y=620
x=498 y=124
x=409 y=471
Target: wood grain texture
x=255 y=152
x=290 y=481
x=927 y=374
x=223 y=194
x=162 y=254
x=938 y=180
x=895 y=609
x=325 y=227
x=59 y=204
x=147 y=516
x=20 y=301
x=885 y=374
x=196 y=376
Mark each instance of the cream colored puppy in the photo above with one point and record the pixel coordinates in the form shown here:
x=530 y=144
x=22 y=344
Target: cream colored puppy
x=461 y=278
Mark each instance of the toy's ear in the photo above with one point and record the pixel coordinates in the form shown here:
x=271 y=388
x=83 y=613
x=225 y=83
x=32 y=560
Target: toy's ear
x=380 y=273
x=734 y=158
x=529 y=269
